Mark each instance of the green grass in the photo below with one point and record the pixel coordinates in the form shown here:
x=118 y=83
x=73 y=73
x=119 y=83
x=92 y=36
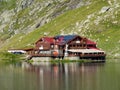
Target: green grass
x=9 y=58
x=57 y=61
x=10 y=4
x=54 y=27
x=66 y=61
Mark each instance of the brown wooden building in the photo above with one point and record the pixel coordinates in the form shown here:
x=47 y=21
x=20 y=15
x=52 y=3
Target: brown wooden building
x=70 y=46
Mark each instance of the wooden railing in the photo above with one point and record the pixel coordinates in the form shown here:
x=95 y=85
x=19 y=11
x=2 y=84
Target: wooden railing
x=88 y=55
x=45 y=55
x=92 y=55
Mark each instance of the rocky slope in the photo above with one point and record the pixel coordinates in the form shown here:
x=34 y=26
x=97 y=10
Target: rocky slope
x=28 y=15
x=24 y=21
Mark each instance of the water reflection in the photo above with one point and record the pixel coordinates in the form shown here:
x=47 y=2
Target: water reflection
x=67 y=76
x=60 y=76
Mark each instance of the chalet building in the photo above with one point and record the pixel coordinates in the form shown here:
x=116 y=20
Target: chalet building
x=72 y=47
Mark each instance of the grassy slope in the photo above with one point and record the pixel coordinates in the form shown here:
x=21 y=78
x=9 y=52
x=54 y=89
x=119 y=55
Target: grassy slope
x=65 y=21
x=7 y=5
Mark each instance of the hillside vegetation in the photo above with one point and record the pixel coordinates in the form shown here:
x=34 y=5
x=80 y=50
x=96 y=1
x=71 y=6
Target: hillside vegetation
x=98 y=20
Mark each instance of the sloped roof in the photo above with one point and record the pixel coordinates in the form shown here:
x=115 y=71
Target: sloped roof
x=90 y=42
x=66 y=37
x=63 y=39
x=46 y=39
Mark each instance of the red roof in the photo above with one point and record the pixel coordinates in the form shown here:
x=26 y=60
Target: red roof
x=90 y=42
x=48 y=39
x=62 y=40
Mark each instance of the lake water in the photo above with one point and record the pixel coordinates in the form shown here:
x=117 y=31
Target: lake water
x=67 y=76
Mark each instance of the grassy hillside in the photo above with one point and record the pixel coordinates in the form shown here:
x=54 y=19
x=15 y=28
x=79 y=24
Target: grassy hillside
x=24 y=16
x=92 y=21
x=10 y=4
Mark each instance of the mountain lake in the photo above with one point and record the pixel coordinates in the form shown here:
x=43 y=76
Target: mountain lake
x=60 y=76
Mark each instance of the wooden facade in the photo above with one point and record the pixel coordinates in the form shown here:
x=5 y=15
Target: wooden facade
x=66 y=46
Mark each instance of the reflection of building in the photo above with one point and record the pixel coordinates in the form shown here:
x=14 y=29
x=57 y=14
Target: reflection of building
x=68 y=76
x=69 y=46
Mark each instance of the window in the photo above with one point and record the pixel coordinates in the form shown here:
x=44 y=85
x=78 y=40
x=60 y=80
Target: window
x=78 y=45
x=52 y=46
x=41 y=47
x=77 y=41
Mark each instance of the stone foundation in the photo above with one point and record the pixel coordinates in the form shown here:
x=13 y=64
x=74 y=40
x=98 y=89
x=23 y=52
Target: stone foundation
x=72 y=58
x=37 y=59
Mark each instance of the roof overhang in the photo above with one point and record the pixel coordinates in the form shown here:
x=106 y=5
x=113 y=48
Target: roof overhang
x=86 y=51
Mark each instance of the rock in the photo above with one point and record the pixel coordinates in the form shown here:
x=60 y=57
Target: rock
x=109 y=2
x=115 y=22
x=104 y=9
x=117 y=55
